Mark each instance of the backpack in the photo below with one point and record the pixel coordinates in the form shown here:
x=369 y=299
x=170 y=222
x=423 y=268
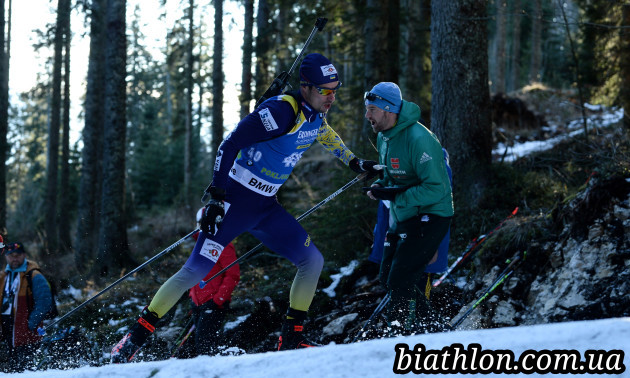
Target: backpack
x=53 y=313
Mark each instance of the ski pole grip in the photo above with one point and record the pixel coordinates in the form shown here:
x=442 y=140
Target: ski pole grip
x=41 y=331
x=320 y=23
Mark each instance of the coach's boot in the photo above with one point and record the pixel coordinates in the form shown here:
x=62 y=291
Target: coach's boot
x=400 y=315
x=127 y=348
x=292 y=335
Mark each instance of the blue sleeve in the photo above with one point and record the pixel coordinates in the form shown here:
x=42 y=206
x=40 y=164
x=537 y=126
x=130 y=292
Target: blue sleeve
x=273 y=118
x=43 y=301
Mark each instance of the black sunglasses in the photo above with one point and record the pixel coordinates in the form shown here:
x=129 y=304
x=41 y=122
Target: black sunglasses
x=371 y=97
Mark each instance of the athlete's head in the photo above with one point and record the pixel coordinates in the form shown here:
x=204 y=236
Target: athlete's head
x=319 y=81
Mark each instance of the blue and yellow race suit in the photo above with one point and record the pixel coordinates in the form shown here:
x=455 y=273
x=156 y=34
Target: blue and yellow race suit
x=251 y=165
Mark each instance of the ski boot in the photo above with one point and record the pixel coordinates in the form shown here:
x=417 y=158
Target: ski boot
x=127 y=348
x=400 y=316
x=292 y=336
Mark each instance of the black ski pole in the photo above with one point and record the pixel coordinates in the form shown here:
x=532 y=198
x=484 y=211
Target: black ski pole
x=306 y=214
x=280 y=83
x=504 y=275
x=42 y=330
x=471 y=249
x=377 y=311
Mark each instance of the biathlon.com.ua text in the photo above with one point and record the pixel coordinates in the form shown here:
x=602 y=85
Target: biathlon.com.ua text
x=455 y=359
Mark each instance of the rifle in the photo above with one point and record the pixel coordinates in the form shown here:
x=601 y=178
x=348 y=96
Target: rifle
x=280 y=83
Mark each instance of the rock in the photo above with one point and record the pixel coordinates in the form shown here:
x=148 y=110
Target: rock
x=504 y=314
x=337 y=326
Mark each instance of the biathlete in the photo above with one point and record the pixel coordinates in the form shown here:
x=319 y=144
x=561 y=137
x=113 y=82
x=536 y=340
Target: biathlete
x=251 y=165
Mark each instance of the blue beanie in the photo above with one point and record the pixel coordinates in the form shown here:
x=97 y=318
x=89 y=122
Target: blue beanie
x=317 y=69
x=385 y=95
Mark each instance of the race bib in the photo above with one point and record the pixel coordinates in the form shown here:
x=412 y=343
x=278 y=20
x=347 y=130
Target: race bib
x=211 y=250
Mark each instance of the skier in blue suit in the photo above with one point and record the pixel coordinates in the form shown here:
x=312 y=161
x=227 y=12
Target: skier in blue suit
x=251 y=165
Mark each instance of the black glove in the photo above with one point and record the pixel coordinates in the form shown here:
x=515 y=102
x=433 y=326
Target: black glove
x=214 y=211
x=384 y=193
x=370 y=166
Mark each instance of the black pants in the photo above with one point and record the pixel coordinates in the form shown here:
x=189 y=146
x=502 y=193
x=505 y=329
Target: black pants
x=208 y=322
x=409 y=246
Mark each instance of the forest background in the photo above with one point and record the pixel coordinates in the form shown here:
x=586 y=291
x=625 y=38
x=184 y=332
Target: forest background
x=130 y=185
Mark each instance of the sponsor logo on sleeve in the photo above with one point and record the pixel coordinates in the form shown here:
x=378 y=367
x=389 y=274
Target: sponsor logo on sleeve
x=424 y=158
x=395 y=162
x=217 y=161
x=267 y=120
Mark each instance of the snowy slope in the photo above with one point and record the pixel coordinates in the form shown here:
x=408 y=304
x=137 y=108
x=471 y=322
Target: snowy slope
x=376 y=358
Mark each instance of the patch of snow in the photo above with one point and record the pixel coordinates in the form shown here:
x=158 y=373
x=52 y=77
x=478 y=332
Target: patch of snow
x=233 y=324
x=344 y=271
x=374 y=358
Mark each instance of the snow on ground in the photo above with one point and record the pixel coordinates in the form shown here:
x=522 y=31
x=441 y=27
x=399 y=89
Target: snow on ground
x=376 y=358
x=606 y=118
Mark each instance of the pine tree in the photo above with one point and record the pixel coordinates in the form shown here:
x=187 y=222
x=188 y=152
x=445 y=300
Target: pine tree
x=113 y=247
x=88 y=219
x=458 y=34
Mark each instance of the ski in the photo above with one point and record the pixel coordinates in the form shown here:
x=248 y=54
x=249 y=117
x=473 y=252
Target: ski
x=471 y=249
x=501 y=278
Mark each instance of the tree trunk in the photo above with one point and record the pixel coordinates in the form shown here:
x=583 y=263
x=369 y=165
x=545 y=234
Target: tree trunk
x=460 y=72
x=536 y=58
x=263 y=45
x=89 y=187
x=248 y=49
x=516 y=45
x=624 y=37
x=217 y=79
x=280 y=22
x=64 y=199
x=4 y=117
x=168 y=91
x=189 y=108
x=113 y=244
x=54 y=123
x=416 y=81
x=382 y=35
x=498 y=84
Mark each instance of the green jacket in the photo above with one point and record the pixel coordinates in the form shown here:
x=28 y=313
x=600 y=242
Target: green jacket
x=414 y=159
